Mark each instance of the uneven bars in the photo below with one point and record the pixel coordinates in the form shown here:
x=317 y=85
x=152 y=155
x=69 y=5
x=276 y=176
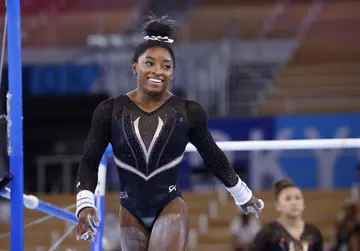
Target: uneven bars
x=292 y=144
x=34 y=203
x=15 y=128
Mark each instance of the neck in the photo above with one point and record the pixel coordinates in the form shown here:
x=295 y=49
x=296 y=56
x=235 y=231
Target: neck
x=292 y=222
x=148 y=98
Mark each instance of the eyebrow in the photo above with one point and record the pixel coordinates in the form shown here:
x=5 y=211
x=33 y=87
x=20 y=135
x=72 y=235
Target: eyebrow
x=165 y=60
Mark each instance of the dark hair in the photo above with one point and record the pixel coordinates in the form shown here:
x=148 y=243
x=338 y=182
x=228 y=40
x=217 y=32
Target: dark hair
x=162 y=27
x=280 y=185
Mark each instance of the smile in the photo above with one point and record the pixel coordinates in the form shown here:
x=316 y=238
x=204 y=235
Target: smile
x=155 y=80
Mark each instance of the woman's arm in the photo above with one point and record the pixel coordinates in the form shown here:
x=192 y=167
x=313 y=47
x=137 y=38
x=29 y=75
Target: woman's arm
x=214 y=158
x=216 y=161
x=95 y=145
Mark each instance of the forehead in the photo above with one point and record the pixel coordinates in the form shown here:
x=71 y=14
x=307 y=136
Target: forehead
x=157 y=53
x=290 y=191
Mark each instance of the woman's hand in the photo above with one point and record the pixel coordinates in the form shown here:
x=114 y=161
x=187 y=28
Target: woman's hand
x=85 y=229
x=254 y=205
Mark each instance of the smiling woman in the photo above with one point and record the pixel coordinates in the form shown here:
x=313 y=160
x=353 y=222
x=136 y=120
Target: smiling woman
x=154 y=59
x=149 y=129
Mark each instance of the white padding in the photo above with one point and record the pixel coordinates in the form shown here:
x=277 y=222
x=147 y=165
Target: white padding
x=84 y=199
x=101 y=185
x=240 y=192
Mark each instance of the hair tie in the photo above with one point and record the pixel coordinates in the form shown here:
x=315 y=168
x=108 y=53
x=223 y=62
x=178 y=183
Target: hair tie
x=159 y=38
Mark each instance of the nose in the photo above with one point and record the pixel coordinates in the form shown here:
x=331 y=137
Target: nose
x=157 y=70
x=294 y=203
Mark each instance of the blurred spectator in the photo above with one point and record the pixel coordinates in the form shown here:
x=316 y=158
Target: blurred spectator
x=348 y=229
x=244 y=229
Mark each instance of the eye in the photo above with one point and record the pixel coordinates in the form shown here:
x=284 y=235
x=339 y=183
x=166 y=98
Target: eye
x=149 y=63
x=287 y=198
x=167 y=67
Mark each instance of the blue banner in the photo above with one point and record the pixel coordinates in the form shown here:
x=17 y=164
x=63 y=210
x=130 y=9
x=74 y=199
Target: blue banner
x=324 y=169
x=62 y=79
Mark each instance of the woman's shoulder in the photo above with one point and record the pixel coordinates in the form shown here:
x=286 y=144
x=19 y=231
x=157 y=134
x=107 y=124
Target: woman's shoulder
x=313 y=230
x=310 y=226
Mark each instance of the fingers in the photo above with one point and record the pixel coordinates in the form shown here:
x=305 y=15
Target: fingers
x=95 y=217
x=258 y=206
x=78 y=232
x=253 y=207
x=88 y=236
x=89 y=224
x=85 y=229
x=82 y=232
x=257 y=210
x=261 y=203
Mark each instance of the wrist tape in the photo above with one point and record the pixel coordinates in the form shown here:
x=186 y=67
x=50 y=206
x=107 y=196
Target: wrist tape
x=240 y=192
x=84 y=199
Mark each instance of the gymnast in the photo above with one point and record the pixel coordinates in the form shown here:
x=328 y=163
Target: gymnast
x=149 y=129
x=289 y=232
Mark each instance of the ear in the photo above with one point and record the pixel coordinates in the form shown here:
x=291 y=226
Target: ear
x=134 y=68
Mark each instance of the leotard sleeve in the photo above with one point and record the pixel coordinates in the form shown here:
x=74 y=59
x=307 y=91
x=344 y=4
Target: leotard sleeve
x=95 y=145
x=199 y=135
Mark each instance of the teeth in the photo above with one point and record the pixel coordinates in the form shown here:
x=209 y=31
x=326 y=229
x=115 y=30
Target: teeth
x=155 y=80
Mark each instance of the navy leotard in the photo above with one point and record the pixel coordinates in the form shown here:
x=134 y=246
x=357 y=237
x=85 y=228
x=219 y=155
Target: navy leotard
x=148 y=148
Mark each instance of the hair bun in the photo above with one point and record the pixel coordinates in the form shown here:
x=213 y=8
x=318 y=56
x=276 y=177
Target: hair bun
x=162 y=27
x=281 y=184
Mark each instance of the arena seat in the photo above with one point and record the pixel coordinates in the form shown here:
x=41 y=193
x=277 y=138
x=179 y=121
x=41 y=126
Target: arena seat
x=215 y=236
x=325 y=68
x=72 y=29
x=70 y=24
x=324 y=74
x=210 y=20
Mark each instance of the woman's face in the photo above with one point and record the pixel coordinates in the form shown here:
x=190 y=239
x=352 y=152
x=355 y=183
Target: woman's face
x=290 y=202
x=154 y=69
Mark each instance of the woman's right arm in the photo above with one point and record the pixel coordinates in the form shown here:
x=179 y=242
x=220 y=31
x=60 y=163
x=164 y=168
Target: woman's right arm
x=95 y=145
x=87 y=176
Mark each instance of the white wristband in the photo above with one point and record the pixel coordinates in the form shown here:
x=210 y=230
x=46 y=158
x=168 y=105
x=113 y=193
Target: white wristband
x=240 y=192
x=84 y=199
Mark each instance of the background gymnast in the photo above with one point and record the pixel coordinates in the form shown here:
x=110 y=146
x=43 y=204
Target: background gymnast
x=289 y=232
x=149 y=129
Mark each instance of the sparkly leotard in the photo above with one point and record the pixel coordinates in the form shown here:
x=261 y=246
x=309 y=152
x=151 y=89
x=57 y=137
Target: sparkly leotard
x=148 y=148
x=274 y=237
